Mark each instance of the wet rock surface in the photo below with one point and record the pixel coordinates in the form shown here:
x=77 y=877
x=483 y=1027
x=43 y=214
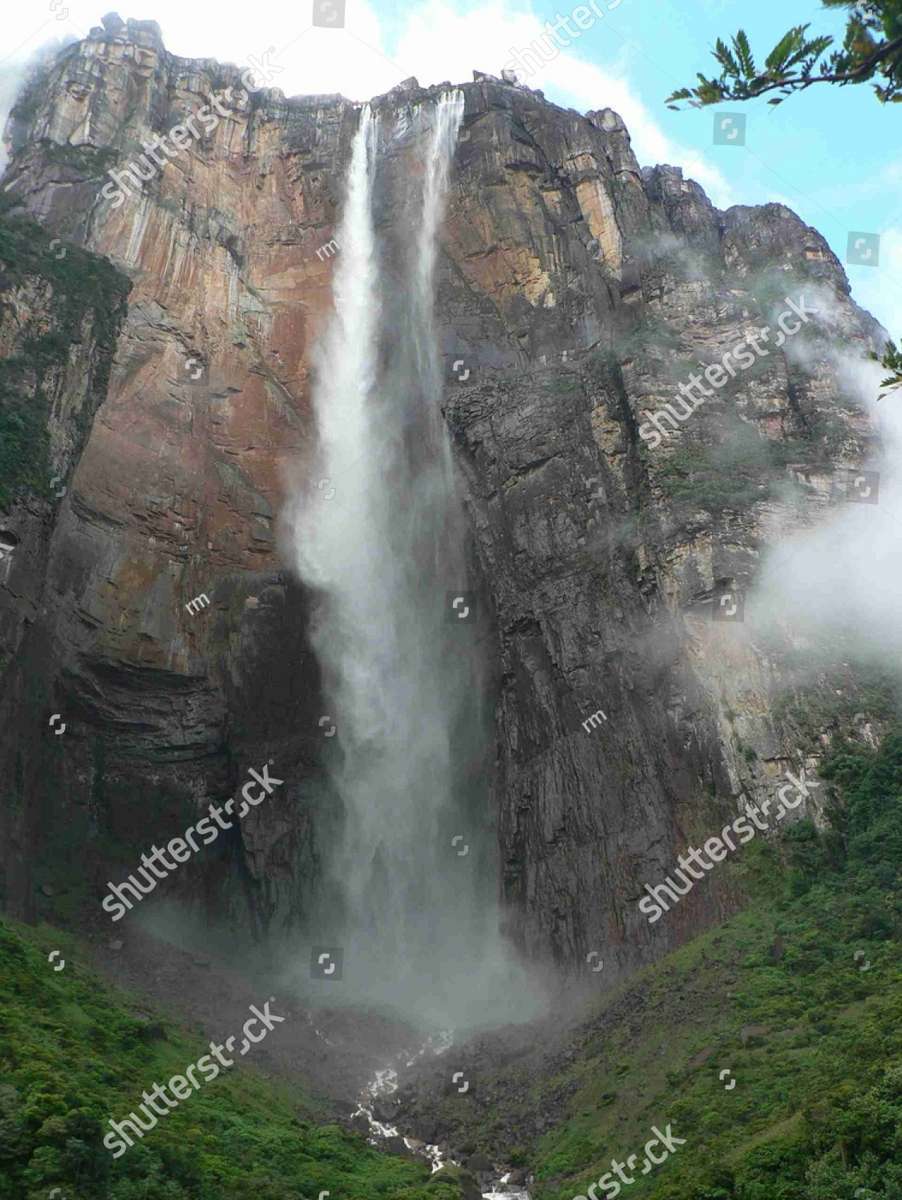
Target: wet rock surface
x=578 y=290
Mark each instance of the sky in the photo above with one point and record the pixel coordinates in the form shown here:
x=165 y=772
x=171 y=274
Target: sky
x=832 y=155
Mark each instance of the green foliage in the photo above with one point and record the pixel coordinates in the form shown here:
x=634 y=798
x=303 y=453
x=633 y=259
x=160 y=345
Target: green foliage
x=832 y=703
x=87 y=299
x=693 y=477
x=73 y=1053
x=24 y=444
x=90 y=161
x=891 y=358
x=814 y=965
x=871 y=50
x=649 y=336
x=727 y=477
x=28 y=101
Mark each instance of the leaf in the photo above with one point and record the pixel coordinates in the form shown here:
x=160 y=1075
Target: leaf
x=710 y=92
x=891 y=359
x=744 y=53
x=776 y=60
x=724 y=56
x=809 y=50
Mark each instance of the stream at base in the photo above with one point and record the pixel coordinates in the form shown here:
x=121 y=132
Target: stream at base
x=493 y=1185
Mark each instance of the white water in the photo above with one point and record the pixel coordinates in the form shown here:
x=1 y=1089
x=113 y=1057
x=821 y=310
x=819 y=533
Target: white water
x=415 y=919
x=386 y=1082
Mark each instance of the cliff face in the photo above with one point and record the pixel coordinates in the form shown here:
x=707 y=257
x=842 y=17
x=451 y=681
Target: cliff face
x=60 y=312
x=579 y=292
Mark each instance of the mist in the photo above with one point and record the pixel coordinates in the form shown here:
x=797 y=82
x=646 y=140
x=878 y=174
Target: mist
x=410 y=897
x=14 y=76
x=836 y=587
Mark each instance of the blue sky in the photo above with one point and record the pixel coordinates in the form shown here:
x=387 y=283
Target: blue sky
x=833 y=155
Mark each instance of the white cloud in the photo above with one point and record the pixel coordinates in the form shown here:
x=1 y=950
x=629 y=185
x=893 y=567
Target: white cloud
x=314 y=59
x=436 y=42
x=440 y=40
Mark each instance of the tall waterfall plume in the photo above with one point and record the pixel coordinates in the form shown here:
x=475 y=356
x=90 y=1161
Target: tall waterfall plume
x=411 y=895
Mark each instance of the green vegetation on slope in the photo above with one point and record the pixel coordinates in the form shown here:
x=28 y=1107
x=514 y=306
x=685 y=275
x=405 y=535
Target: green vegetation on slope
x=74 y=1053
x=800 y=998
x=88 y=298
x=730 y=476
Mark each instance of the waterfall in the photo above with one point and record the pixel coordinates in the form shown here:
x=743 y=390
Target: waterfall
x=413 y=913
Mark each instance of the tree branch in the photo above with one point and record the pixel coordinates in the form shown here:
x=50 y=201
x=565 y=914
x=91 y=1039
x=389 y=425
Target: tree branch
x=866 y=65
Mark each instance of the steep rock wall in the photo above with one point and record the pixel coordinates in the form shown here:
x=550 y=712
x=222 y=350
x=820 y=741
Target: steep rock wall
x=61 y=309
x=579 y=291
